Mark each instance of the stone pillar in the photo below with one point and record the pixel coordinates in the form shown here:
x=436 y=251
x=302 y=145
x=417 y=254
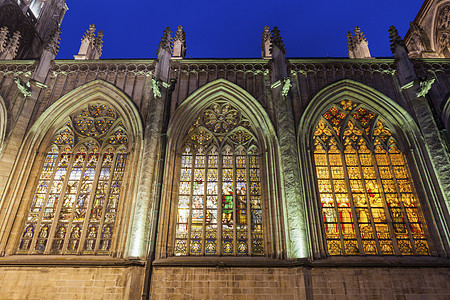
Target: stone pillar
x=294 y=206
x=416 y=90
x=51 y=48
x=12 y=160
x=144 y=225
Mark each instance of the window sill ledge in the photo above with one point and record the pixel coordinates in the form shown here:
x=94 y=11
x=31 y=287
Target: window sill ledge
x=67 y=260
x=344 y=262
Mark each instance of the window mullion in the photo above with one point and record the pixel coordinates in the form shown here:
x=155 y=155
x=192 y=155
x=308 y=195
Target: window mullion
x=389 y=220
x=219 y=200
x=352 y=204
x=234 y=170
x=191 y=200
x=58 y=207
x=205 y=201
x=44 y=203
x=249 y=204
x=368 y=205
x=74 y=205
x=84 y=232
x=108 y=190
x=402 y=207
x=336 y=210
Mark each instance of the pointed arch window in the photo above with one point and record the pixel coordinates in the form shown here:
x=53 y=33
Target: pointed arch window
x=219 y=202
x=75 y=203
x=369 y=204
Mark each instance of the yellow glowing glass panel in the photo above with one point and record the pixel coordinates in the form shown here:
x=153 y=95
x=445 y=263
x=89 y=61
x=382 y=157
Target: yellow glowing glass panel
x=367 y=196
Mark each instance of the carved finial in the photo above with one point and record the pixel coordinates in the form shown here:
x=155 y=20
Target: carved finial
x=166 y=40
x=13 y=45
x=90 y=33
x=91 y=45
x=52 y=43
x=359 y=35
x=265 y=45
x=3 y=38
x=350 y=44
x=180 y=35
x=357 y=44
x=99 y=42
x=179 y=44
x=395 y=39
x=277 y=40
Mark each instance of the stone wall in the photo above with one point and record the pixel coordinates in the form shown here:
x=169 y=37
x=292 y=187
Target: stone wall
x=299 y=283
x=71 y=282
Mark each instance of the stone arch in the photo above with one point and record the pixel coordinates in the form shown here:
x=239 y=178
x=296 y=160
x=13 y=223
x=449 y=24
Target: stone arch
x=221 y=89
x=36 y=141
x=94 y=90
x=434 y=29
x=264 y=131
x=445 y=115
x=404 y=129
x=3 y=124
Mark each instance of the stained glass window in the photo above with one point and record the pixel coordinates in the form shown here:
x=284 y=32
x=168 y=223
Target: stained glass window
x=75 y=203
x=219 y=197
x=369 y=204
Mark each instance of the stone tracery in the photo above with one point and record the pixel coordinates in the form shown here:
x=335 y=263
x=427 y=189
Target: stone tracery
x=76 y=199
x=369 y=205
x=220 y=164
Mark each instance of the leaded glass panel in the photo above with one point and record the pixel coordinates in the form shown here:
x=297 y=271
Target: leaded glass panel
x=368 y=201
x=219 y=201
x=76 y=198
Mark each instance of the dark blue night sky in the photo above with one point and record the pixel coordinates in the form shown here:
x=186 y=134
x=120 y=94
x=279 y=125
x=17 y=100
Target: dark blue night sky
x=233 y=28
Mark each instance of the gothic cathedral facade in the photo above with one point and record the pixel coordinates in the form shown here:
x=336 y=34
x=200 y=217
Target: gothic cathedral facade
x=176 y=178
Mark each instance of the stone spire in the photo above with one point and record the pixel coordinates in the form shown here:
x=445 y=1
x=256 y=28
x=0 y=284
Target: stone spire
x=91 y=46
x=405 y=68
x=179 y=44
x=278 y=52
x=277 y=41
x=265 y=45
x=163 y=62
x=8 y=49
x=98 y=44
x=396 y=41
x=52 y=43
x=165 y=42
x=357 y=44
x=51 y=49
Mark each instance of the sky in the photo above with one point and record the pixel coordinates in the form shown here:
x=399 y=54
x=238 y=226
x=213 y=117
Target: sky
x=233 y=28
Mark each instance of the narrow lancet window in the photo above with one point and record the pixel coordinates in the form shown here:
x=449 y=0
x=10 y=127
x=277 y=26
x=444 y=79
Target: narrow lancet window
x=219 y=199
x=369 y=204
x=75 y=203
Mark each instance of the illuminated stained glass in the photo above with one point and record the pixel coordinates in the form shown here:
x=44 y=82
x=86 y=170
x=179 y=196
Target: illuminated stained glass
x=219 y=201
x=76 y=198
x=369 y=206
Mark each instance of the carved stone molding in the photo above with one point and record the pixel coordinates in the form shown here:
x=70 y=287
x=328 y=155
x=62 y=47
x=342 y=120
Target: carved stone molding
x=442 y=43
x=144 y=69
x=346 y=68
